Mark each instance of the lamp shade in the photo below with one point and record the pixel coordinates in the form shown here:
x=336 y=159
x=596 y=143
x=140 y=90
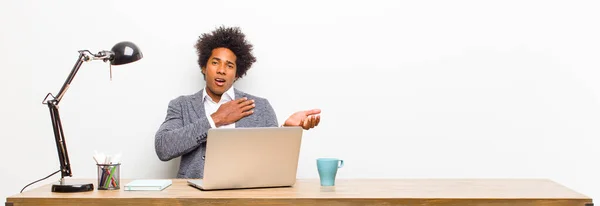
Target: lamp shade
x=125 y=52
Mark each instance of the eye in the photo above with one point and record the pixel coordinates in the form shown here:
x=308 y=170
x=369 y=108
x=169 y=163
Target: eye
x=214 y=63
x=230 y=66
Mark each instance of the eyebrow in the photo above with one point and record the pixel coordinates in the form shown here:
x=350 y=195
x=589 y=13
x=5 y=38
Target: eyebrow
x=228 y=62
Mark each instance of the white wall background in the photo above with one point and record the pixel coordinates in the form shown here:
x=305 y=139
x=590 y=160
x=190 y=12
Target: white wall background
x=408 y=89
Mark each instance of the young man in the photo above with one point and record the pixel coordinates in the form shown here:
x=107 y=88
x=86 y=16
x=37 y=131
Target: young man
x=224 y=56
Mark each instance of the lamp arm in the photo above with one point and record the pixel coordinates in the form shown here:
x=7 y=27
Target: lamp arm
x=61 y=146
x=84 y=55
x=59 y=137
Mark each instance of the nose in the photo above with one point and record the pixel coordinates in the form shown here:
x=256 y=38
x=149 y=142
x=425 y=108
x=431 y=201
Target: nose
x=221 y=69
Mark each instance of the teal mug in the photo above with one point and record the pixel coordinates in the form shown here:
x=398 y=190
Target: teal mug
x=327 y=168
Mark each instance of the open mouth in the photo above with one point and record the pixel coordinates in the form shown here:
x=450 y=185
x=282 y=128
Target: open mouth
x=219 y=81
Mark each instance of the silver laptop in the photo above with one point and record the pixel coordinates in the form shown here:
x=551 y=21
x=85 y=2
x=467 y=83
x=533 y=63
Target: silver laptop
x=250 y=158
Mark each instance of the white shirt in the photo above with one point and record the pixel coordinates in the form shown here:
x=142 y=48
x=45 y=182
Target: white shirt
x=211 y=106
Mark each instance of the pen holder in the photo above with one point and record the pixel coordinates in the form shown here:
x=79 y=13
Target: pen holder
x=109 y=177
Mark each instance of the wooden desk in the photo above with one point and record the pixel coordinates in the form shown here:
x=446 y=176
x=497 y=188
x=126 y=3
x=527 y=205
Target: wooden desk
x=422 y=192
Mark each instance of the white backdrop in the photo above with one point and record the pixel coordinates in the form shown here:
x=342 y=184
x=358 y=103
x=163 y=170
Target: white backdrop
x=408 y=89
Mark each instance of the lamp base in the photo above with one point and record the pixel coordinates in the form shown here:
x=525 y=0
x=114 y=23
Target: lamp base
x=72 y=187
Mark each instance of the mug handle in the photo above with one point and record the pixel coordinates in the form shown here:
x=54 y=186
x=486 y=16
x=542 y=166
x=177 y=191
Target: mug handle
x=341 y=164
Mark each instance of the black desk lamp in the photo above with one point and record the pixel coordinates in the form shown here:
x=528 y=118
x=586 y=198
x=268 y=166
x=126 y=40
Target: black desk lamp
x=121 y=53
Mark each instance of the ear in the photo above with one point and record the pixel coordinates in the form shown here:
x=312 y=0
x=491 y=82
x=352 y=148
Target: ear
x=203 y=69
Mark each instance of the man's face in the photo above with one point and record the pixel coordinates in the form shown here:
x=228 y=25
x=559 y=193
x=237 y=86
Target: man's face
x=220 y=72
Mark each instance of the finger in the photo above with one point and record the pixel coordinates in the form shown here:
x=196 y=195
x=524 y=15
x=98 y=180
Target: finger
x=246 y=103
x=240 y=100
x=248 y=107
x=311 y=121
x=246 y=113
x=305 y=123
x=318 y=119
x=312 y=112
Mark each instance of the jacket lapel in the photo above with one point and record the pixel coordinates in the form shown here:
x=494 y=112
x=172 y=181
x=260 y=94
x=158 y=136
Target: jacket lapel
x=198 y=104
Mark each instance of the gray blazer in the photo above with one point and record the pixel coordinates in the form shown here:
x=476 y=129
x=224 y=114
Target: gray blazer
x=183 y=133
